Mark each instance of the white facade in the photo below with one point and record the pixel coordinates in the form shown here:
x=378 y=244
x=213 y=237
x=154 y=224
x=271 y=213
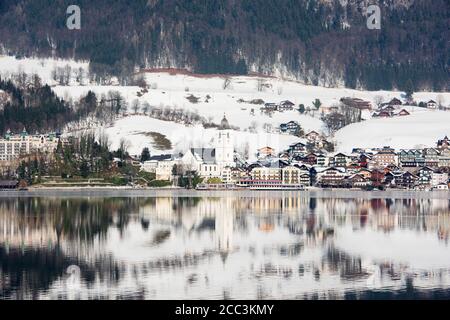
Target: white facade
x=164 y=170
x=13 y=146
x=224 y=145
x=149 y=166
x=439 y=178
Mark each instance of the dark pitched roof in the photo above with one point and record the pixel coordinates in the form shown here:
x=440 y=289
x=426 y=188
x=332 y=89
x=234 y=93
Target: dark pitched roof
x=161 y=157
x=208 y=155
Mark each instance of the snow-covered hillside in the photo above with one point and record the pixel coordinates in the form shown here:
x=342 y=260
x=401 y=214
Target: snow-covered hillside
x=42 y=67
x=140 y=131
x=219 y=95
x=420 y=129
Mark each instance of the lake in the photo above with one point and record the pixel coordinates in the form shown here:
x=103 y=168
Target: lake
x=224 y=245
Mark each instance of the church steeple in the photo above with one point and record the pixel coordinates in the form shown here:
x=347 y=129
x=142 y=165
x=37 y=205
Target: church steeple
x=224 y=125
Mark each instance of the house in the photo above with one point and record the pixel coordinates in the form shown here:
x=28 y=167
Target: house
x=439 y=177
x=411 y=158
x=295 y=175
x=406 y=180
x=431 y=157
x=266 y=173
x=340 y=160
x=377 y=177
x=284 y=156
x=425 y=175
x=364 y=160
x=285 y=106
x=151 y=164
x=310 y=159
x=432 y=104
x=358 y=181
x=238 y=174
x=403 y=112
x=383 y=114
x=312 y=136
x=442 y=186
x=367 y=174
x=357 y=103
x=331 y=177
x=395 y=102
x=164 y=170
x=9 y=184
x=443 y=144
x=322 y=160
x=292 y=127
x=297 y=149
x=269 y=107
x=265 y=152
x=384 y=158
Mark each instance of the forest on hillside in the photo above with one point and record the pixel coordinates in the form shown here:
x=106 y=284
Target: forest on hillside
x=323 y=42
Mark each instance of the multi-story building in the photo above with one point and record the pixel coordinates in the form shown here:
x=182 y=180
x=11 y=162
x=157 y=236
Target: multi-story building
x=438 y=177
x=431 y=157
x=12 y=146
x=384 y=157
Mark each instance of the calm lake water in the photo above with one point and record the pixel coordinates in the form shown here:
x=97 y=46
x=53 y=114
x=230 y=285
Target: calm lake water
x=235 y=245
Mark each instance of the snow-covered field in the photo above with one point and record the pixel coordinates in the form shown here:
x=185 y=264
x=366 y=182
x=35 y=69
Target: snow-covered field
x=422 y=127
x=137 y=131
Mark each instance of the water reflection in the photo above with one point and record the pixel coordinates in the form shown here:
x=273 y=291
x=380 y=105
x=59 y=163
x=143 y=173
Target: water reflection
x=224 y=247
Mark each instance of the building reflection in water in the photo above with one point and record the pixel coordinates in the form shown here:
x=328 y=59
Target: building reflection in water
x=215 y=247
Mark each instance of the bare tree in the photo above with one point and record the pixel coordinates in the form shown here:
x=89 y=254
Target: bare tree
x=378 y=99
x=135 y=106
x=226 y=83
x=124 y=145
x=440 y=101
x=145 y=107
x=260 y=85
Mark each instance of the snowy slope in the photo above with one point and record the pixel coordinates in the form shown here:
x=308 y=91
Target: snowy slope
x=42 y=67
x=170 y=89
x=421 y=128
x=137 y=129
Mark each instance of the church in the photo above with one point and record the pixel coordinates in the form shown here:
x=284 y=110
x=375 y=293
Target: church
x=213 y=162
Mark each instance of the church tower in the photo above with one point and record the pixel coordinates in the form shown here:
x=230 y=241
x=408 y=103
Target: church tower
x=224 y=144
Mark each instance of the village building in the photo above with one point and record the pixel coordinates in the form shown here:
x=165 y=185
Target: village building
x=395 y=102
x=266 y=152
x=411 y=158
x=425 y=175
x=439 y=177
x=331 y=177
x=431 y=157
x=357 y=103
x=340 y=160
x=294 y=175
x=403 y=112
x=292 y=127
x=384 y=158
x=213 y=162
x=266 y=173
x=312 y=136
x=297 y=149
x=151 y=164
x=432 y=104
x=406 y=180
x=12 y=146
x=358 y=181
x=322 y=160
x=286 y=105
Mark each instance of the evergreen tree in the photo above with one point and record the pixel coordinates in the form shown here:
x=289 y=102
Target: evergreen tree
x=145 y=155
x=301 y=108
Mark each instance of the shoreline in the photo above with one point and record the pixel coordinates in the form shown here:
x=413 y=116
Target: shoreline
x=181 y=192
